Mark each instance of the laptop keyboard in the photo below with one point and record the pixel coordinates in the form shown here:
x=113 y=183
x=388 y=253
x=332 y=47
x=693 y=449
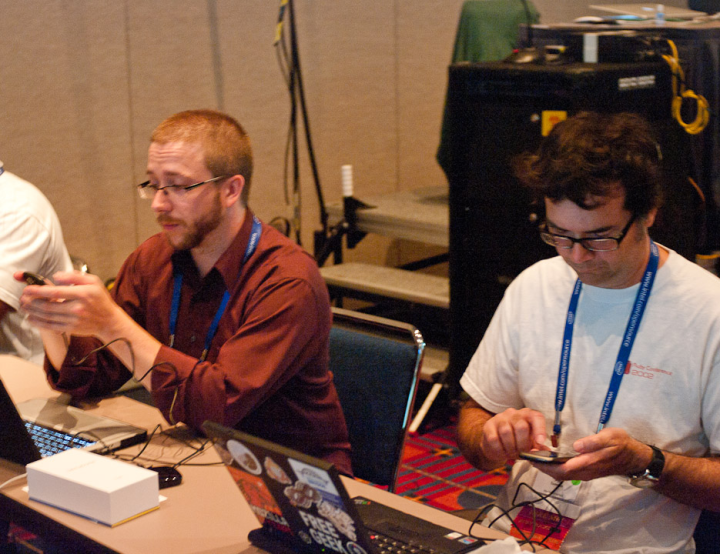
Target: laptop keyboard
x=394 y=532
x=52 y=441
x=390 y=545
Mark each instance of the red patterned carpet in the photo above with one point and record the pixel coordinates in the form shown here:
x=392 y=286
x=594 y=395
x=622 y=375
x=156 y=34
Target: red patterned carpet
x=434 y=472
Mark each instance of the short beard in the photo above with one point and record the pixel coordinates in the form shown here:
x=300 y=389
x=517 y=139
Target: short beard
x=203 y=227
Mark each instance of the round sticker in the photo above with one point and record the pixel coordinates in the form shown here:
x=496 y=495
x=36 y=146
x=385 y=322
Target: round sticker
x=244 y=457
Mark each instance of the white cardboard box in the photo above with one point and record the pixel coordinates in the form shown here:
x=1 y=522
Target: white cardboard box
x=102 y=489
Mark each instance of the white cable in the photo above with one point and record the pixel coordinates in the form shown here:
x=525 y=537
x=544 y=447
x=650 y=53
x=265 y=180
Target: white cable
x=9 y=481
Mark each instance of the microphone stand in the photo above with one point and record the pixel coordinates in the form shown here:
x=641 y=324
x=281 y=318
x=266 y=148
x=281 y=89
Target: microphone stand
x=347 y=227
x=327 y=241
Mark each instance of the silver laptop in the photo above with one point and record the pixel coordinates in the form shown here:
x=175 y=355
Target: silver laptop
x=647 y=11
x=41 y=427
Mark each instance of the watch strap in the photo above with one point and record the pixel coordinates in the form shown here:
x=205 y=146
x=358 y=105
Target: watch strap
x=654 y=470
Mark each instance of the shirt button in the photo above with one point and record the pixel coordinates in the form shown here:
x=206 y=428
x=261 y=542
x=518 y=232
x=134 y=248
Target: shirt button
x=193 y=338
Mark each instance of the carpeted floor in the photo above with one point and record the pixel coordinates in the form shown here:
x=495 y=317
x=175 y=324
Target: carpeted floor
x=435 y=473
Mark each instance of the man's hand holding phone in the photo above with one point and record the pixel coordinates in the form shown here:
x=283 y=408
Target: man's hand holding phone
x=512 y=431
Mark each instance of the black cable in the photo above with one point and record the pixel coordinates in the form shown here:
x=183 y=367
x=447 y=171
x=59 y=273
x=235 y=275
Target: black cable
x=147 y=443
x=291 y=129
x=288 y=74
x=197 y=452
x=177 y=385
x=103 y=347
x=144 y=375
x=170 y=365
x=138 y=456
x=514 y=505
x=306 y=120
x=540 y=498
x=528 y=18
x=293 y=144
x=297 y=94
x=281 y=56
x=285 y=70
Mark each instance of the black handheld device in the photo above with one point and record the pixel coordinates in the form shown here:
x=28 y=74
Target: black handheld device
x=547 y=456
x=34 y=279
x=168 y=476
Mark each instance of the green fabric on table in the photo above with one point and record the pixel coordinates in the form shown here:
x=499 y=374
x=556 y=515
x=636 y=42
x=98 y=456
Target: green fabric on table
x=488 y=29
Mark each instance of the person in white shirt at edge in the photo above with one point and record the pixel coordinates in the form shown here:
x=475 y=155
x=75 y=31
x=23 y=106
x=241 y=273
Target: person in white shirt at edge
x=647 y=435
x=31 y=239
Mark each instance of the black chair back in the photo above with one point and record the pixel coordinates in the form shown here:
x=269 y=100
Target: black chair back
x=376 y=365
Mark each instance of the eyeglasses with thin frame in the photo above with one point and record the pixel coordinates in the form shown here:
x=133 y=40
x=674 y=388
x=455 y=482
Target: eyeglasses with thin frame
x=600 y=244
x=148 y=191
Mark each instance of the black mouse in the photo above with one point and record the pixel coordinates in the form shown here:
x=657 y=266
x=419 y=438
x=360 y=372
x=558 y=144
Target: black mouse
x=167 y=476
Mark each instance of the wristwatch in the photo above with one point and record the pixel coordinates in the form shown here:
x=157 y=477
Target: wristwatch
x=651 y=475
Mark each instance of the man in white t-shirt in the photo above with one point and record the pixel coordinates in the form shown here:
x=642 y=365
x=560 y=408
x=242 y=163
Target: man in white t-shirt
x=609 y=352
x=30 y=240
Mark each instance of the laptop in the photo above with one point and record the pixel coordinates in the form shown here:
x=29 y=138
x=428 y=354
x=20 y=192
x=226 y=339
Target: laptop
x=304 y=507
x=647 y=11
x=41 y=427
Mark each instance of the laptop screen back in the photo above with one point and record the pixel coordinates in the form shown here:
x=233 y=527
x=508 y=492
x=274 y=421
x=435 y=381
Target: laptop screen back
x=297 y=499
x=15 y=443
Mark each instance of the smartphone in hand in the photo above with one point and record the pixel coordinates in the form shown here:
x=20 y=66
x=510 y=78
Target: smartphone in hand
x=35 y=279
x=547 y=456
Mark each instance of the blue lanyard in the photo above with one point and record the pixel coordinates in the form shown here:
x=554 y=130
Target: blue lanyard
x=625 y=348
x=175 y=308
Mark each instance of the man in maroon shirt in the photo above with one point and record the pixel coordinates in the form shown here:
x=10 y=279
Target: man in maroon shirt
x=228 y=318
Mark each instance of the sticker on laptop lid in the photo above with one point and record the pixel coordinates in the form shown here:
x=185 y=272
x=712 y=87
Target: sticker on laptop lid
x=302 y=495
x=276 y=472
x=225 y=456
x=317 y=478
x=315 y=486
x=339 y=518
x=260 y=499
x=242 y=455
x=325 y=533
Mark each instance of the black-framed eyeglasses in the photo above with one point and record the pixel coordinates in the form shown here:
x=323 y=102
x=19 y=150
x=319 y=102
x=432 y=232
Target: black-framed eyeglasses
x=148 y=191
x=603 y=244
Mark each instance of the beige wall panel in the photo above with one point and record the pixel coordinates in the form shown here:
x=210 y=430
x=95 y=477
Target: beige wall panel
x=63 y=123
x=349 y=56
x=256 y=94
x=84 y=82
x=426 y=31
x=350 y=53
x=426 y=34
x=170 y=53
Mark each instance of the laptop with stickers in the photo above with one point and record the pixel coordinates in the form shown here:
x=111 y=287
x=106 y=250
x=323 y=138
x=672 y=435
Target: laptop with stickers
x=304 y=507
